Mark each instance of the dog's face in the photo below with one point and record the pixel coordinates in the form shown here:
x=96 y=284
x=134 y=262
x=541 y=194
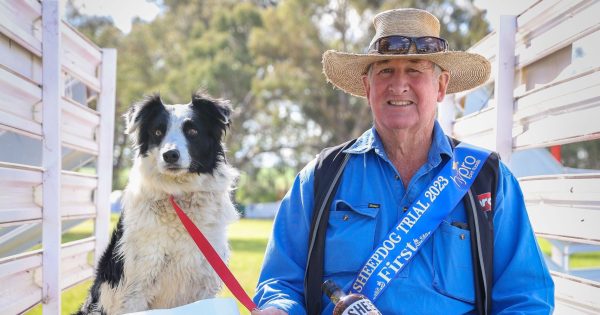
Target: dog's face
x=179 y=139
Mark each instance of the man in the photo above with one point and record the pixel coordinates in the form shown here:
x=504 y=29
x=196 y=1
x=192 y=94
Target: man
x=405 y=72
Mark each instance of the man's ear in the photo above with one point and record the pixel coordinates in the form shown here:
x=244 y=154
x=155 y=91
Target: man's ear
x=366 y=85
x=443 y=81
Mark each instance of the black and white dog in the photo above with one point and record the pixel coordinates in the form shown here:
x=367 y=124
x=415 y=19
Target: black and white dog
x=151 y=261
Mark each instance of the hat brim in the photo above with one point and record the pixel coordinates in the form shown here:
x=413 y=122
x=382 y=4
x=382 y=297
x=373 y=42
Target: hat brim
x=345 y=70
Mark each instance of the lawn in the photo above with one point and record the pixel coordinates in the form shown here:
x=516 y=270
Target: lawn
x=248 y=240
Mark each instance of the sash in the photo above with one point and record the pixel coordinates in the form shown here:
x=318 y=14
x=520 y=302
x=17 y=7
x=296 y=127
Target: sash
x=425 y=214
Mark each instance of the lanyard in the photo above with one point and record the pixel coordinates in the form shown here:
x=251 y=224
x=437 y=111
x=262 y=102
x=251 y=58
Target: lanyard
x=213 y=258
x=434 y=204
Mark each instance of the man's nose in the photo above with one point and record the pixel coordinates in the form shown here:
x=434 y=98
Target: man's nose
x=171 y=156
x=398 y=84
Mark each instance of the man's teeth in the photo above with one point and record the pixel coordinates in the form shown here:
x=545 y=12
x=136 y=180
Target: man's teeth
x=400 y=103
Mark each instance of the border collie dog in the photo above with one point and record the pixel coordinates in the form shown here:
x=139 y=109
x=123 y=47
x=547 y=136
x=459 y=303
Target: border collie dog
x=151 y=261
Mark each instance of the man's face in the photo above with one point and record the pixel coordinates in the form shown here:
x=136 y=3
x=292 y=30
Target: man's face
x=403 y=94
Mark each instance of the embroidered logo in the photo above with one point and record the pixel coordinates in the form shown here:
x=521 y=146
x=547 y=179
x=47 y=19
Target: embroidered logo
x=485 y=201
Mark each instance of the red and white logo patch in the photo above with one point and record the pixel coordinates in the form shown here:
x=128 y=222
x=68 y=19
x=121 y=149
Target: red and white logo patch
x=485 y=201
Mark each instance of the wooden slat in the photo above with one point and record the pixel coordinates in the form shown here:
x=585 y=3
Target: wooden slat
x=544 y=30
x=75 y=267
x=17 y=195
x=18 y=97
x=80 y=58
x=17 y=22
x=23 y=291
x=476 y=128
x=79 y=127
x=565 y=207
x=581 y=294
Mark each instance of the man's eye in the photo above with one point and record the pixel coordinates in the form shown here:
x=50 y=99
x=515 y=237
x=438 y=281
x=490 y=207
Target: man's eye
x=191 y=132
x=386 y=70
x=158 y=132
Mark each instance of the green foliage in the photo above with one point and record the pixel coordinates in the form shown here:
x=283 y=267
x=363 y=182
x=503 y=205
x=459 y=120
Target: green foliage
x=266 y=185
x=265 y=57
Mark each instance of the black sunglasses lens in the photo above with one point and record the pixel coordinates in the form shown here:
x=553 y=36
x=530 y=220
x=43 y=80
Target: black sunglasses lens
x=428 y=45
x=394 y=45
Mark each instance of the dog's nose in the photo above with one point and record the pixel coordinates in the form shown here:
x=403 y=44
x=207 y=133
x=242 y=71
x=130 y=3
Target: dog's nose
x=171 y=156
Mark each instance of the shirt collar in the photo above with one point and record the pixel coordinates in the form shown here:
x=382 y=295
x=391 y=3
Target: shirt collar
x=370 y=140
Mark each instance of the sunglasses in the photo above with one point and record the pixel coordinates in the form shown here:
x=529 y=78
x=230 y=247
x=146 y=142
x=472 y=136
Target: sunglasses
x=400 y=45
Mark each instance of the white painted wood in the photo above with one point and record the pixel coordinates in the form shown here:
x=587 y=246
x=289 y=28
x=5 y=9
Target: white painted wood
x=79 y=127
x=17 y=21
x=51 y=160
x=80 y=57
x=504 y=85
x=477 y=128
x=75 y=263
x=18 y=96
x=106 y=106
x=579 y=293
x=23 y=292
x=552 y=30
x=446 y=113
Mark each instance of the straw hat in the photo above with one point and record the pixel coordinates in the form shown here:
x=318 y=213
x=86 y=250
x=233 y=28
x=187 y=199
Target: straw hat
x=344 y=70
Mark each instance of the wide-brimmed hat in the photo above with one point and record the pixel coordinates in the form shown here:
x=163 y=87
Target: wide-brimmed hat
x=344 y=70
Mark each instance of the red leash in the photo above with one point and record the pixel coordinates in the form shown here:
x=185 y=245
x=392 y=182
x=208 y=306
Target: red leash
x=213 y=258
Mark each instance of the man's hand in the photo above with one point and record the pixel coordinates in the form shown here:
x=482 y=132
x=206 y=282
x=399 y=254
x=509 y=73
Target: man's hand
x=269 y=311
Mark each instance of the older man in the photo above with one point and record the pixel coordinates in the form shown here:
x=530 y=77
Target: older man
x=391 y=167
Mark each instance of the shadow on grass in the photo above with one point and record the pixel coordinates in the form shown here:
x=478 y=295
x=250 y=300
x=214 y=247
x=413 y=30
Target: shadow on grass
x=248 y=245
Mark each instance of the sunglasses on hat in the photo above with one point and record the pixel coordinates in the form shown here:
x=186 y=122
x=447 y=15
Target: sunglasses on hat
x=400 y=45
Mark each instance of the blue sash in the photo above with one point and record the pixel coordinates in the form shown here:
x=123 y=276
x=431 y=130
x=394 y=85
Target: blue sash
x=426 y=213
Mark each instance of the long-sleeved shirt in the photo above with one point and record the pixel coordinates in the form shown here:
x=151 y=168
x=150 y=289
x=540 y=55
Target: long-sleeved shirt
x=439 y=279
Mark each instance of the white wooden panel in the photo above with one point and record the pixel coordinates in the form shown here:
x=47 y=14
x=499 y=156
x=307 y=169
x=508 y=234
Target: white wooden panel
x=17 y=195
x=106 y=107
x=80 y=57
x=23 y=292
x=79 y=127
x=552 y=25
x=581 y=294
x=566 y=207
x=75 y=267
x=487 y=48
x=18 y=22
x=18 y=97
x=76 y=194
x=51 y=155
x=477 y=128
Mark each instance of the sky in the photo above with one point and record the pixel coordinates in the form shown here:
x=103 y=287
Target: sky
x=123 y=11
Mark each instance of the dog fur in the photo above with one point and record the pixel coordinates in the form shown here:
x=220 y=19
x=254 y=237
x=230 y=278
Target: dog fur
x=151 y=261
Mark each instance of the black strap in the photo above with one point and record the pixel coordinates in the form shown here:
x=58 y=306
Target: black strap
x=328 y=169
x=481 y=228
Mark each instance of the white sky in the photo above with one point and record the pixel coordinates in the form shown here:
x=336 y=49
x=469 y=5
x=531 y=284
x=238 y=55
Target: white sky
x=121 y=11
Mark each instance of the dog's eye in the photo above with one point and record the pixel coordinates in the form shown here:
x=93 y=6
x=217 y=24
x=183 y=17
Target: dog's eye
x=158 y=132
x=191 y=132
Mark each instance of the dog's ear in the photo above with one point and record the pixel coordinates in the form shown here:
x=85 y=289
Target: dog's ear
x=136 y=113
x=218 y=108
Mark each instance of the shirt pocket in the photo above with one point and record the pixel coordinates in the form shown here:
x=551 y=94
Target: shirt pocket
x=350 y=237
x=453 y=268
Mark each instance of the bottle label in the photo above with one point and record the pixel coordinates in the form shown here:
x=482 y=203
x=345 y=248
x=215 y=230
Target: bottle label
x=361 y=307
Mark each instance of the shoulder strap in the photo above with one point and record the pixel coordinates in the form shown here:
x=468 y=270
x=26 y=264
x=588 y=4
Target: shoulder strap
x=480 y=215
x=328 y=170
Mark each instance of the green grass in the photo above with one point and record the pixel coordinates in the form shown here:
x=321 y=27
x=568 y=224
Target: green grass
x=248 y=240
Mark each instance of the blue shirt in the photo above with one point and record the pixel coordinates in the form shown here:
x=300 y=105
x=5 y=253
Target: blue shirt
x=439 y=280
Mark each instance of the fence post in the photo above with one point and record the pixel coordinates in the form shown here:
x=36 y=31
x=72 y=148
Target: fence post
x=106 y=107
x=51 y=155
x=504 y=85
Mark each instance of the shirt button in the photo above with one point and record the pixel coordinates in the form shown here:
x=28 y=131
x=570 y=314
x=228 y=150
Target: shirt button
x=404 y=209
x=346 y=217
x=397 y=177
x=462 y=237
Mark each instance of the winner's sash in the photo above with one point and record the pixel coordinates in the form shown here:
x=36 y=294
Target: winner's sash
x=426 y=213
